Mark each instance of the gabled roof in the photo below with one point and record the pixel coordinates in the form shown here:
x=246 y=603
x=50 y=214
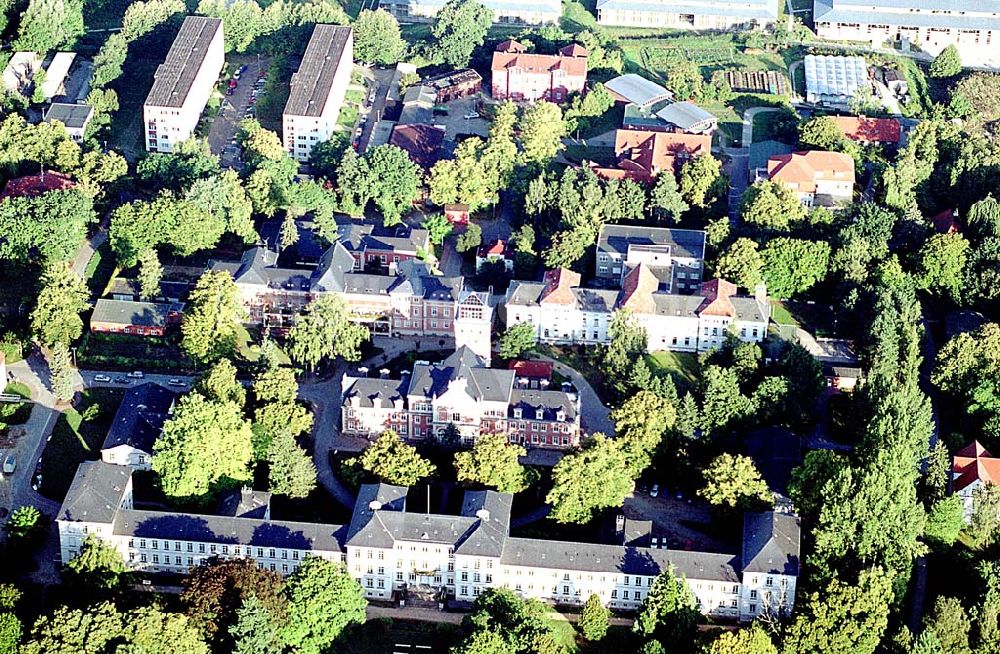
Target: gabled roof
x=127 y=313
x=974 y=463
x=558 y=285
x=96 y=492
x=718 y=294
x=638 y=287
x=801 y=170
x=550 y=403
x=34 y=185
x=334 y=267
x=771 y=543
x=375 y=393
x=174 y=78
x=463 y=367
x=687 y=116
x=497 y=248
x=872 y=130
x=421 y=142
x=573 y=50
x=532 y=369
x=511 y=54
x=311 y=85
x=642 y=154
x=140 y=417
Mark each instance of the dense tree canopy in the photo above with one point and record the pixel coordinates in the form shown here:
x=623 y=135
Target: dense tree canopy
x=459 y=27
x=493 y=462
x=324 y=330
x=376 y=38
x=212 y=317
x=323 y=599
x=595 y=478
x=395 y=462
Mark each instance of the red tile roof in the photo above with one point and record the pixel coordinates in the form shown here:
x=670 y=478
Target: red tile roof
x=574 y=50
x=34 y=185
x=533 y=369
x=421 y=142
x=871 y=130
x=974 y=463
x=638 y=287
x=495 y=249
x=946 y=222
x=510 y=45
x=537 y=63
x=801 y=170
x=717 y=293
x=559 y=285
x=643 y=154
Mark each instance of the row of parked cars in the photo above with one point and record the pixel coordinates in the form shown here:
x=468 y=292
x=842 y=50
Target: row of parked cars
x=102 y=378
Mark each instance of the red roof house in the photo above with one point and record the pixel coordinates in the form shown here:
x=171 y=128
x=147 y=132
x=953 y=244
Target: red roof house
x=973 y=468
x=717 y=294
x=870 y=130
x=457 y=214
x=531 y=369
x=31 y=186
x=496 y=252
x=817 y=176
x=518 y=75
x=643 y=154
x=559 y=284
x=421 y=142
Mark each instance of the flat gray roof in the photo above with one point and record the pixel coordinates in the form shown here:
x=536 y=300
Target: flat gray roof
x=311 y=85
x=70 y=115
x=174 y=77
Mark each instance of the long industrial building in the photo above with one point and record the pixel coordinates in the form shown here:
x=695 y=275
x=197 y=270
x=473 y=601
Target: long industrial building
x=505 y=12
x=694 y=15
x=318 y=90
x=393 y=552
x=183 y=83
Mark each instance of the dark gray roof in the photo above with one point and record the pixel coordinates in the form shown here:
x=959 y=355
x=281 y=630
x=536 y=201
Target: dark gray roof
x=140 y=417
x=372 y=393
x=748 y=309
x=228 y=530
x=308 y=248
x=685 y=115
x=638 y=90
x=310 y=86
x=492 y=513
x=415 y=278
x=335 y=264
x=683 y=242
x=127 y=312
x=374 y=500
x=771 y=543
x=174 y=77
x=71 y=115
x=550 y=402
x=589 y=557
x=245 y=503
x=368 y=283
x=490 y=384
x=96 y=492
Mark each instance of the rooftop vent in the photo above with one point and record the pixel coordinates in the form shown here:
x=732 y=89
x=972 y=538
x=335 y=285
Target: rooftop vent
x=483 y=514
x=374 y=505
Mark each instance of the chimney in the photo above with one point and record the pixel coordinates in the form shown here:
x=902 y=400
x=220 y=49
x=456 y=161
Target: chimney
x=483 y=514
x=374 y=505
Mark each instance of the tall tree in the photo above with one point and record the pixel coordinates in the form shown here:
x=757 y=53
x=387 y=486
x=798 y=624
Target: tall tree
x=771 y=205
x=749 y=640
x=668 y=612
x=794 y=265
x=595 y=478
x=291 y=470
x=49 y=24
x=61 y=372
x=542 y=131
x=948 y=63
x=941 y=263
x=325 y=330
x=821 y=133
x=49 y=227
x=150 y=274
x=149 y=630
x=205 y=445
x=517 y=340
x=56 y=317
x=698 y=178
x=323 y=599
x=734 y=482
x=641 y=422
x=594 y=619
x=72 y=631
x=493 y=462
x=98 y=568
x=215 y=590
x=741 y=264
x=459 y=27
x=395 y=462
x=666 y=200
x=220 y=384
x=212 y=318
x=256 y=630
x=394 y=181
x=377 y=39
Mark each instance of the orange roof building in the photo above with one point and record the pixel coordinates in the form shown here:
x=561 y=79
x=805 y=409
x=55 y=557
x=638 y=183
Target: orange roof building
x=973 y=468
x=870 y=130
x=642 y=154
x=31 y=186
x=558 y=286
x=819 y=177
x=518 y=75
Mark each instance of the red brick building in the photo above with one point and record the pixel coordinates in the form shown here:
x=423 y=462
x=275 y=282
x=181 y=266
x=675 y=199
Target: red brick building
x=134 y=318
x=518 y=75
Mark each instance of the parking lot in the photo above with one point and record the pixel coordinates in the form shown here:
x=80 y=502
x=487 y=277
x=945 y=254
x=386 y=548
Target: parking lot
x=235 y=108
x=457 y=125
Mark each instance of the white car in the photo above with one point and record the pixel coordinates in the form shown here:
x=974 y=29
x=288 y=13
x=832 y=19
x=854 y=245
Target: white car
x=104 y=379
x=471 y=116
x=9 y=464
x=136 y=375
x=176 y=382
x=655 y=490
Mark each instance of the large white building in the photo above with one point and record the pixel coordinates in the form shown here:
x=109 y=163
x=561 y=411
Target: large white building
x=928 y=25
x=694 y=15
x=318 y=89
x=391 y=551
x=563 y=312
x=505 y=12
x=183 y=83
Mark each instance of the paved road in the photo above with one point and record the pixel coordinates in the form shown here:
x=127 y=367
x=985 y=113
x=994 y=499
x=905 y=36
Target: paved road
x=88 y=248
x=594 y=416
x=382 y=79
x=223 y=128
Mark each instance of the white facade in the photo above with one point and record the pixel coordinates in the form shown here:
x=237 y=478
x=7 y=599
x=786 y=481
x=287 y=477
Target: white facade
x=126 y=455
x=318 y=90
x=388 y=550
x=183 y=84
x=546 y=12
x=694 y=15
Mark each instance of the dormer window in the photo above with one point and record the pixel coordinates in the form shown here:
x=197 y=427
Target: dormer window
x=560 y=415
x=539 y=414
x=517 y=413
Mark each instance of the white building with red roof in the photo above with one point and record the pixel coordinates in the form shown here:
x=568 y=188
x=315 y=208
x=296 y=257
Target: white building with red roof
x=973 y=468
x=520 y=75
x=818 y=177
x=498 y=251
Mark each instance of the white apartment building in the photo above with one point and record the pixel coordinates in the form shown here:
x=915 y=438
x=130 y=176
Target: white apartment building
x=317 y=90
x=391 y=551
x=564 y=313
x=927 y=25
x=675 y=256
x=694 y=15
x=183 y=83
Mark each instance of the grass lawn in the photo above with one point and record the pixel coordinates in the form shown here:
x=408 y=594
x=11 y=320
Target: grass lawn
x=18 y=388
x=682 y=365
x=606 y=122
x=76 y=439
x=817 y=319
x=100 y=270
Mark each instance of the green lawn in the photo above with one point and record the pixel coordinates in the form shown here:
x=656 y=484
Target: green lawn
x=76 y=438
x=682 y=365
x=18 y=388
x=100 y=269
x=781 y=315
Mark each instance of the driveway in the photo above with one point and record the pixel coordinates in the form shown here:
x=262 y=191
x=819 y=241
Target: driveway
x=381 y=79
x=594 y=416
x=223 y=129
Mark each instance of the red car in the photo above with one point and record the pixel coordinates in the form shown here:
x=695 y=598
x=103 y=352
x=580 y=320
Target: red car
x=232 y=83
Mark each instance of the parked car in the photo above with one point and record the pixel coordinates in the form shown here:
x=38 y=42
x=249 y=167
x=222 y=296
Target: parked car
x=37 y=482
x=233 y=83
x=242 y=69
x=654 y=491
x=9 y=464
x=137 y=374
x=471 y=116
x=104 y=379
x=122 y=379
x=176 y=382
x=654 y=542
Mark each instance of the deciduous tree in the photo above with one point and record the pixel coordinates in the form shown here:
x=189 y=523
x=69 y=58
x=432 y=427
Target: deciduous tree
x=595 y=478
x=948 y=63
x=733 y=482
x=771 y=205
x=98 y=566
x=61 y=372
x=324 y=330
x=666 y=200
x=941 y=263
x=749 y=640
x=395 y=462
x=793 y=265
x=741 y=264
x=698 y=178
x=72 y=631
x=220 y=384
x=517 y=340
x=212 y=318
x=377 y=39
x=56 y=317
x=493 y=462
x=49 y=227
x=668 y=612
x=542 y=131
x=459 y=27
x=594 y=619
x=291 y=471
x=323 y=599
